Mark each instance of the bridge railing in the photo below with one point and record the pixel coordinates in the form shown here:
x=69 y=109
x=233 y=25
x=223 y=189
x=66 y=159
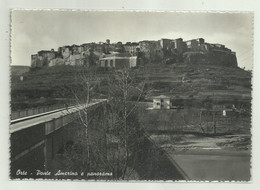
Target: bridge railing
x=34 y=111
x=57 y=123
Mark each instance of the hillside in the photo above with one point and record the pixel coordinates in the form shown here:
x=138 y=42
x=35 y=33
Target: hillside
x=199 y=81
x=179 y=81
x=19 y=69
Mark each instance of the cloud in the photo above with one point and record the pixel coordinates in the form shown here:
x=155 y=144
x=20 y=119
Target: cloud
x=21 y=46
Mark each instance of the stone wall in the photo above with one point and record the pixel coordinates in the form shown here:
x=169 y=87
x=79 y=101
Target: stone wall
x=221 y=58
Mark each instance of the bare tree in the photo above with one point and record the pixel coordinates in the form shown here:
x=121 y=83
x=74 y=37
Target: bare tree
x=126 y=93
x=85 y=82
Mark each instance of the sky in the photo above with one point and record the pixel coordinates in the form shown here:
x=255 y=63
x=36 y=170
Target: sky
x=33 y=31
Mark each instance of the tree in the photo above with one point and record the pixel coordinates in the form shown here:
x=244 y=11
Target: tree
x=125 y=94
x=87 y=152
x=92 y=150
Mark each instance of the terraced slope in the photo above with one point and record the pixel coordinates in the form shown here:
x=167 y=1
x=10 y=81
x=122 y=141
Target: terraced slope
x=179 y=81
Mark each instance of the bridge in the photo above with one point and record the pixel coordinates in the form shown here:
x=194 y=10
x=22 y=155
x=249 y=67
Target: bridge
x=36 y=139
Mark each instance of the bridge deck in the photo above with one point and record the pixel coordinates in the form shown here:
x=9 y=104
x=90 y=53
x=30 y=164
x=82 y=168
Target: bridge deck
x=48 y=116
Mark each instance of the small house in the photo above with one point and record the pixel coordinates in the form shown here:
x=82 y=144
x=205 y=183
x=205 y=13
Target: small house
x=162 y=102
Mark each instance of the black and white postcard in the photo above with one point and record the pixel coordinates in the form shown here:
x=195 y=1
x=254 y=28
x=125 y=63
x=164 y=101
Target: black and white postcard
x=131 y=95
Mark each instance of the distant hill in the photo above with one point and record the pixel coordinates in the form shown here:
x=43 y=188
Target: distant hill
x=19 y=69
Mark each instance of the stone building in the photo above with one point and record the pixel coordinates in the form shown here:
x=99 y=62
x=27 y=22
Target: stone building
x=66 y=51
x=76 y=49
x=195 y=44
x=166 y=44
x=43 y=58
x=85 y=46
x=49 y=55
x=173 y=45
x=179 y=46
x=192 y=45
x=119 y=47
x=56 y=62
x=173 y=49
x=99 y=48
x=132 y=48
x=118 y=61
x=34 y=59
x=151 y=50
x=76 y=59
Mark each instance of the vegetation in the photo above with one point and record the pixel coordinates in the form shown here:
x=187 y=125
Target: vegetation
x=115 y=124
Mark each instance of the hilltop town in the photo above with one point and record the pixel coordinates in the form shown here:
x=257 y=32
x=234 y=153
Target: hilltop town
x=179 y=69
x=132 y=54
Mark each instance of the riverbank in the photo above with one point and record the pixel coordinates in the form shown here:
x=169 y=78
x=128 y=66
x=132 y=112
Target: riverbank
x=220 y=158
